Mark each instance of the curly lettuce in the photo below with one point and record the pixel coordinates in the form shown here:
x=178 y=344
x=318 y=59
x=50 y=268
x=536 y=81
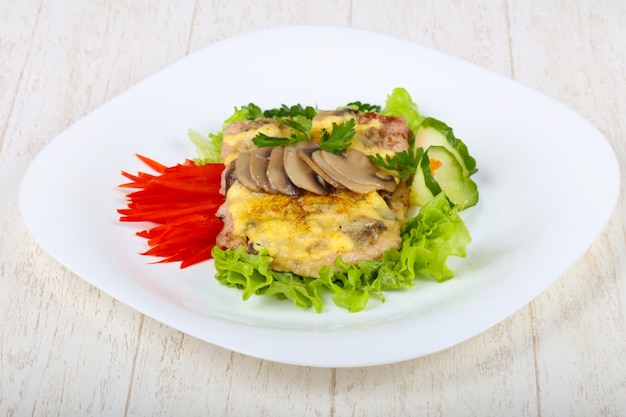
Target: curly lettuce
x=400 y=103
x=428 y=240
x=209 y=149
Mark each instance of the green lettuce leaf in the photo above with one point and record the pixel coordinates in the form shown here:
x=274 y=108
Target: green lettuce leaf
x=208 y=149
x=400 y=103
x=250 y=273
x=429 y=239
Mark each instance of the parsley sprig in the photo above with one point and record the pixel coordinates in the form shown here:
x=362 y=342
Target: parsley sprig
x=363 y=107
x=404 y=163
x=300 y=131
x=255 y=112
x=339 y=138
x=300 y=120
x=293 y=111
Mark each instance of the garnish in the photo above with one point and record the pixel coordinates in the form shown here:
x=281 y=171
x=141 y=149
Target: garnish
x=300 y=125
x=262 y=140
x=293 y=111
x=400 y=103
x=300 y=131
x=339 y=138
x=208 y=150
x=252 y=111
x=181 y=200
x=336 y=140
x=363 y=107
x=404 y=163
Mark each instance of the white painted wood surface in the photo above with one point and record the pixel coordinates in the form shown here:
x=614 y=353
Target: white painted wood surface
x=66 y=349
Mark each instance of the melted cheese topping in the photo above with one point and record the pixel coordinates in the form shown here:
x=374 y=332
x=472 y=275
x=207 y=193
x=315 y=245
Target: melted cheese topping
x=304 y=232
x=360 y=141
x=241 y=141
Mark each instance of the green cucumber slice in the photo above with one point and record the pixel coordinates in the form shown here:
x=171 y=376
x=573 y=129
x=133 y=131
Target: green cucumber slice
x=433 y=132
x=460 y=190
x=420 y=192
x=429 y=179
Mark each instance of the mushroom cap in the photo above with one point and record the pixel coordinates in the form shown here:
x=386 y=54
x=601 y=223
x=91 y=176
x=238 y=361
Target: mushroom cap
x=242 y=171
x=305 y=155
x=229 y=177
x=354 y=170
x=276 y=174
x=304 y=166
x=300 y=173
x=259 y=161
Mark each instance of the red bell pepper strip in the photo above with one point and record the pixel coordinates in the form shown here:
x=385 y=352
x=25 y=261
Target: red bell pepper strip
x=182 y=201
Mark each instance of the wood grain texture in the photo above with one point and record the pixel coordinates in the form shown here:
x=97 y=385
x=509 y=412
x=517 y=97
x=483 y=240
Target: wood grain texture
x=583 y=316
x=66 y=349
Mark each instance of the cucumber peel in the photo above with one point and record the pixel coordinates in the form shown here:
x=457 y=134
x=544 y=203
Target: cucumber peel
x=460 y=190
x=433 y=132
x=445 y=166
x=421 y=192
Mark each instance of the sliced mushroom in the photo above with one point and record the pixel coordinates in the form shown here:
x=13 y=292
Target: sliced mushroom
x=304 y=166
x=259 y=160
x=276 y=174
x=300 y=174
x=363 y=170
x=305 y=155
x=229 y=177
x=363 y=229
x=242 y=171
x=332 y=169
x=354 y=170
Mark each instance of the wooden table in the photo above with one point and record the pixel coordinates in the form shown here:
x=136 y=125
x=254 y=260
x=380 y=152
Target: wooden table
x=68 y=349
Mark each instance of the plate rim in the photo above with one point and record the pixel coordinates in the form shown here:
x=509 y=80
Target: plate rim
x=23 y=198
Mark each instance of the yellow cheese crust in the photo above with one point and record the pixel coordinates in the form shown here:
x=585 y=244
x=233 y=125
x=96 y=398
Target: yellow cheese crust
x=361 y=129
x=309 y=231
x=241 y=140
x=306 y=232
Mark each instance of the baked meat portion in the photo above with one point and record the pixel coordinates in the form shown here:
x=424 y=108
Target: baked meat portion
x=305 y=230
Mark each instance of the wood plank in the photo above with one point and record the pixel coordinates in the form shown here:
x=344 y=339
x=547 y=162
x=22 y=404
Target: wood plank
x=474 y=31
x=71 y=344
x=580 y=326
x=67 y=349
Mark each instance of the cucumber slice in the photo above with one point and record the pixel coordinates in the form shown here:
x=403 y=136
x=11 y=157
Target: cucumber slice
x=433 y=132
x=420 y=193
x=429 y=180
x=460 y=190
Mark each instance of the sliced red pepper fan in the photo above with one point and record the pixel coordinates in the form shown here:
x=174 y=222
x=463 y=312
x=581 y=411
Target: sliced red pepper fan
x=182 y=200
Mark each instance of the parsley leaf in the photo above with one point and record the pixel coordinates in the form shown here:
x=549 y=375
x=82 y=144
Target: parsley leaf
x=293 y=111
x=297 y=117
x=252 y=111
x=300 y=131
x=301 y=126
x=363 y=107
x=339 y=138
x=404 y=163
x=261 y=140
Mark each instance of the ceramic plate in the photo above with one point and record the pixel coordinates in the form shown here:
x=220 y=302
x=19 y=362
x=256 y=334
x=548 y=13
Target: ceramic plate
x=548 y=181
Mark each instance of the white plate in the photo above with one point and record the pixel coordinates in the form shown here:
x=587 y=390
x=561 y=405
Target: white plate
x=548 y=182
